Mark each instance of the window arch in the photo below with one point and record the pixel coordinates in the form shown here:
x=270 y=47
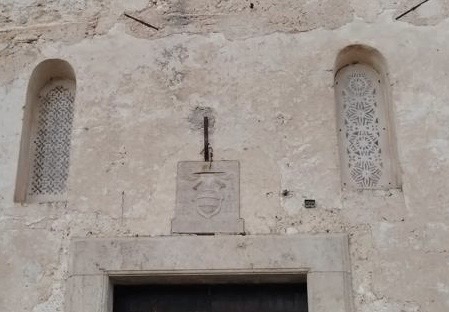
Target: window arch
x=367 y=151
x=46 y=134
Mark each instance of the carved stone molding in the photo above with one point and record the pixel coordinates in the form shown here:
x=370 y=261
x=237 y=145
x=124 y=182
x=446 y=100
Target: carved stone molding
x=323 y=260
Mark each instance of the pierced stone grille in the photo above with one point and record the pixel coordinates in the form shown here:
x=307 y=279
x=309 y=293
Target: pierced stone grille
x=50 y=143
x=363 y=133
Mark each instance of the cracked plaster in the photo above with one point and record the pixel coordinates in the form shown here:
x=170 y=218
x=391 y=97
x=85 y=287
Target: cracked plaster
x=267 y=73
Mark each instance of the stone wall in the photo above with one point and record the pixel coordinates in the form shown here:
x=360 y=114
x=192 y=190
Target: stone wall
x=265 y=70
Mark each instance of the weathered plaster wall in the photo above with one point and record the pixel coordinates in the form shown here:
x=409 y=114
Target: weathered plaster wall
x=267 y=74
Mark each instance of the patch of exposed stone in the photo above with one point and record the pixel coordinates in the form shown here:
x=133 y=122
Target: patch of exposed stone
x=422 y=12
x=238 y=18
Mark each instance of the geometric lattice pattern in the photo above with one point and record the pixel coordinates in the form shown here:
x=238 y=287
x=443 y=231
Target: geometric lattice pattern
x=363 y=126
x=50 y=145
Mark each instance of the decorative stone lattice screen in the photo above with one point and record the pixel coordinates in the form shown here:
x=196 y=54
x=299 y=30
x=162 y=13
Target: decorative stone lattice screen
x=50 y=142
x=363 y=126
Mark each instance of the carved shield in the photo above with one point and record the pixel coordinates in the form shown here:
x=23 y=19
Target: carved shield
x=208 y=203
x=209 y=195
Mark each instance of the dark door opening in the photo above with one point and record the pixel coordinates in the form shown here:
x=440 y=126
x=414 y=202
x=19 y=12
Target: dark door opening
x=211 y=298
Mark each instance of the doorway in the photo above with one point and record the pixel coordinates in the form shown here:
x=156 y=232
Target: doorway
x=250 y=297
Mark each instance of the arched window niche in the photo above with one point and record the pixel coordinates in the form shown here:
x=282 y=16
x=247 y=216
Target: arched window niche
x=364 y=116
x=46 y=134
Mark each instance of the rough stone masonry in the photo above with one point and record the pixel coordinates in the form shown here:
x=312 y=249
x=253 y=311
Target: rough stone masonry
x=265 y=69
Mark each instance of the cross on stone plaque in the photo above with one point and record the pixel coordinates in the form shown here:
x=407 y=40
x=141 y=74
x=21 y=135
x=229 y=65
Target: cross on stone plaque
x=208 y=195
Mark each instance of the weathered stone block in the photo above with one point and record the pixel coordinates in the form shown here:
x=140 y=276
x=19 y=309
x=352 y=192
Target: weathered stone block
x=208 y=198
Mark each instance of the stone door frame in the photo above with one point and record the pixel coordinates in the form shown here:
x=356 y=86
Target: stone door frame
x=97 y=263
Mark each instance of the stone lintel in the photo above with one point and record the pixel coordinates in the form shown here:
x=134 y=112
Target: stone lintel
x=214 y=253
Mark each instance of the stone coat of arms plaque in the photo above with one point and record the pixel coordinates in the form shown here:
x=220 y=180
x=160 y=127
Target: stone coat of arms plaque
x=208 y=198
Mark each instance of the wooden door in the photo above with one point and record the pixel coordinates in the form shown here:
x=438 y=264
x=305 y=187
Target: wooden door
x=211 y=298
